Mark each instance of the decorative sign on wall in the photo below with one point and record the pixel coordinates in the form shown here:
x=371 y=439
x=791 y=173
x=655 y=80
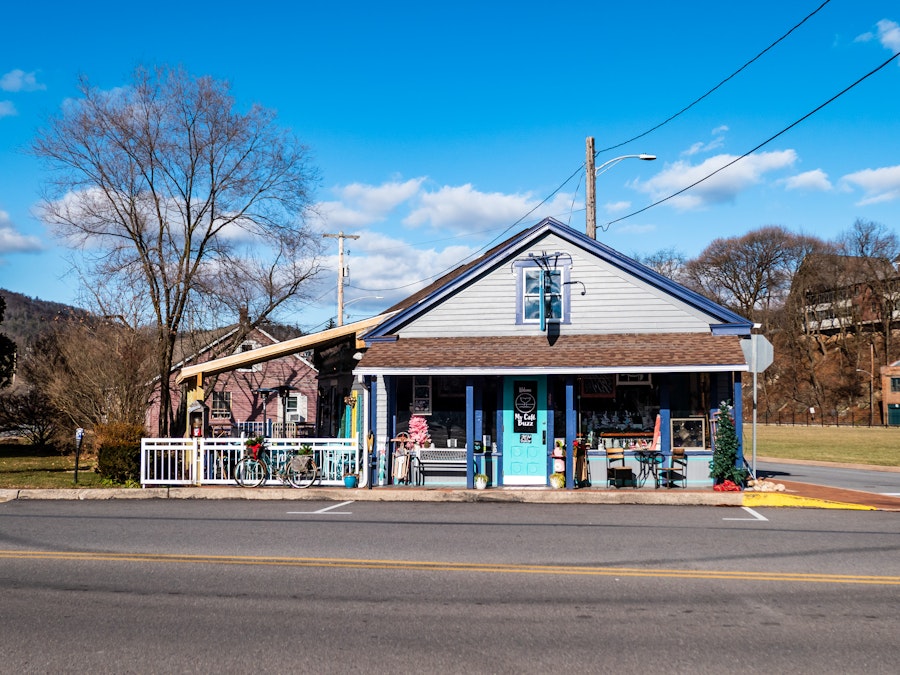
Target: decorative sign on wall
x=598 y=386
x=525 y=407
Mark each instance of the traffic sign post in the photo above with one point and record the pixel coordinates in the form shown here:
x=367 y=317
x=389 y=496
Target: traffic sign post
x=759 y=354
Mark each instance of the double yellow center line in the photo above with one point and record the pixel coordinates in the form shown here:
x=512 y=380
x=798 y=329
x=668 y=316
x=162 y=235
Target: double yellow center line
x=447 y=566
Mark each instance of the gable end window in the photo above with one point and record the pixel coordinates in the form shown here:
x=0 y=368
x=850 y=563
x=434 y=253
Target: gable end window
x=539 y=289
x=247 y=346
x=895 y=384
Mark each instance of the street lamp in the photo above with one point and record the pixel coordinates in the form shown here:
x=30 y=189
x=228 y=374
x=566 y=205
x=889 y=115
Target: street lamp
x=365 y=297
x=592 y=173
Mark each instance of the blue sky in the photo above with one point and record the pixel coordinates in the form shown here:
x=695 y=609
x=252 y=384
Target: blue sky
x=437 y=127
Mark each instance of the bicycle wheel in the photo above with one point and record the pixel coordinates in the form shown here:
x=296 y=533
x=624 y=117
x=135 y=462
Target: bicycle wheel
x=250 y=472
x=301 y=471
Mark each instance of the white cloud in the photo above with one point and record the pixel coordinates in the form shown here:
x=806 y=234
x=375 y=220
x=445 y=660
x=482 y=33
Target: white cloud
x=814 y=181
x=465 y=209
x=889 y=35
x=19 y=80
x=616 y=207
x=880 y=185
x=381 y=199
x=359 y=204
x=12 y=241
x=717 y=142
x=7 y=109
x=720 y=188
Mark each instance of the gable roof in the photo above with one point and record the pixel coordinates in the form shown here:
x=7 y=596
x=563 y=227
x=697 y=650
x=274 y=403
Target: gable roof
x=422 y=301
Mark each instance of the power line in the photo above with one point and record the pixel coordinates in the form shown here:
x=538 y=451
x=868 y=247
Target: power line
x=750 y=152
x=734 y=74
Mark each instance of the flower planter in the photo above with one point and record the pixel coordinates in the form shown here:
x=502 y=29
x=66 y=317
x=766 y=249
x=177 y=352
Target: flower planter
x=351 y=481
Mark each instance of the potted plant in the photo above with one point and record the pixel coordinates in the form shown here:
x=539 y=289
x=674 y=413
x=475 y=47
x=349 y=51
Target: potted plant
x=253 y=444
x=418 y=431
x=557 y=480
x=481 y=481
x=351 y=480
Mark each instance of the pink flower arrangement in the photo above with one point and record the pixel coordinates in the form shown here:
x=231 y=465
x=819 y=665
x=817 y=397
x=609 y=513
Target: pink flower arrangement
x=418 y=430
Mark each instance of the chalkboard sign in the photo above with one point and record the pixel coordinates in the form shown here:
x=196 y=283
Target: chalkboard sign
x=525 y=407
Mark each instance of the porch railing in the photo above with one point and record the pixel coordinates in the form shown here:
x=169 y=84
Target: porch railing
x=211 y=461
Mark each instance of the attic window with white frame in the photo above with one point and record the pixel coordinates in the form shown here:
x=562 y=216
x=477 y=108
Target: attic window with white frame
x=543 y=286
x=247 y=346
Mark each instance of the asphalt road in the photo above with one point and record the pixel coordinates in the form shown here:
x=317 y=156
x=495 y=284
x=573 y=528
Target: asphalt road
x=163 y=586
x=877 y=481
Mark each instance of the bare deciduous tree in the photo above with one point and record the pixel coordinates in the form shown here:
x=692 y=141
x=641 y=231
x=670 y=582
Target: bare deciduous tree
x=178 y=205
x=668 y=261
x=875 y=250
x=751 y=274
x=94 y=374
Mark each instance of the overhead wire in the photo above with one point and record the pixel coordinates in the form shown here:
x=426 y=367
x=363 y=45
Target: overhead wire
x=580 y=169
x=751 y=151
x=734 y=74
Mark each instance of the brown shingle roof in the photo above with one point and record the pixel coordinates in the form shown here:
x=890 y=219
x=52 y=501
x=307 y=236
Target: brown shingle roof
x=632 y=352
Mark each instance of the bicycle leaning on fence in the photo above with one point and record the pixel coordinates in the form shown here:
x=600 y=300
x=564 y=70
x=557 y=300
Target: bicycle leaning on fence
x=297 y=468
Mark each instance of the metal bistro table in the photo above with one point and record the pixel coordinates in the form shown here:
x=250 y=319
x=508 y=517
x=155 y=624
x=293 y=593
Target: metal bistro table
x=650 y=461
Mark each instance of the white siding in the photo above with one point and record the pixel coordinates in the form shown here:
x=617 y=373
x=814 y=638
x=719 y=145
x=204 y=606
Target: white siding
x=614 y=303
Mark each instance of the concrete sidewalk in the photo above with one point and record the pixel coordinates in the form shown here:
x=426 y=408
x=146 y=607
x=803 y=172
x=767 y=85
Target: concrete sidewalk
x=795 y=495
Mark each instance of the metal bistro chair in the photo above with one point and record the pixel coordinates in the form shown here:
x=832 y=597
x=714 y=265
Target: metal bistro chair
x=674 y=475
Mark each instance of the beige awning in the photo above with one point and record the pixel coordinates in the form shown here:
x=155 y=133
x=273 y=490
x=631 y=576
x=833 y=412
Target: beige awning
x=278 y=350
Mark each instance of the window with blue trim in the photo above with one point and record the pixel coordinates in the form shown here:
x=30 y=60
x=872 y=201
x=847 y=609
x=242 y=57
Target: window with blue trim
x=542 y=290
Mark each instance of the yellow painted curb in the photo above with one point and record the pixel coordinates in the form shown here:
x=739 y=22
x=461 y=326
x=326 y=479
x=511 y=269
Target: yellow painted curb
x=781 y=499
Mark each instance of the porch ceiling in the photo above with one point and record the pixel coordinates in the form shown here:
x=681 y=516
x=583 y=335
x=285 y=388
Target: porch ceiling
x=637 y=353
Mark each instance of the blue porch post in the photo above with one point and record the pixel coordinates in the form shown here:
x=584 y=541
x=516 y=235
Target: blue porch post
x=470 y=432
x=665 y=415
x=373 y=429
x=498 y=425
x=571 y=433
x=739 y=418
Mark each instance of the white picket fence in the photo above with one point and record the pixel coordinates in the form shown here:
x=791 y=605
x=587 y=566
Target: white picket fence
x=211 y=461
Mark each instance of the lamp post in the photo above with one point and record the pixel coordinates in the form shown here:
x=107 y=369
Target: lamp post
x=591 y=185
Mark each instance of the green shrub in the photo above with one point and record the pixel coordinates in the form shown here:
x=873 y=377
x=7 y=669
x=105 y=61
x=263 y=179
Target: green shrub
x=119 y=452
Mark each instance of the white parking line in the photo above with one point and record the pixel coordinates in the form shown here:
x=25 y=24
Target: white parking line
x=756 y=516
x=327 y=509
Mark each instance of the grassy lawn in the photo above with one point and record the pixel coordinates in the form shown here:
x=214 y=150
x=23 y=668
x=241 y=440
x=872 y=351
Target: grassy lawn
x=854 y=445
x=22 y=466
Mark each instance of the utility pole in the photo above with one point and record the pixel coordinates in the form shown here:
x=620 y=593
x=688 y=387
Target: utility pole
x=590 y=182
x=340 y=236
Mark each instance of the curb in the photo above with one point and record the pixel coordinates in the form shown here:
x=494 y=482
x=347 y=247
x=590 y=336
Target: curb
x=782 y=500
x=495 y=495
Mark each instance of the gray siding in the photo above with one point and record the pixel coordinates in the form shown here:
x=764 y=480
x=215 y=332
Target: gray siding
x=614 y=303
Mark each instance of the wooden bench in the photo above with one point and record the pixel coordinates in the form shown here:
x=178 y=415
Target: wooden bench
x=437 y=460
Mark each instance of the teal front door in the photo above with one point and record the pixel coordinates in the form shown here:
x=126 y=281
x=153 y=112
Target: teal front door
x=525 y=430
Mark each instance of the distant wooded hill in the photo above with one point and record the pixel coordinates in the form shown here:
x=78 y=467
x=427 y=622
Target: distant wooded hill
x=26 y=318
